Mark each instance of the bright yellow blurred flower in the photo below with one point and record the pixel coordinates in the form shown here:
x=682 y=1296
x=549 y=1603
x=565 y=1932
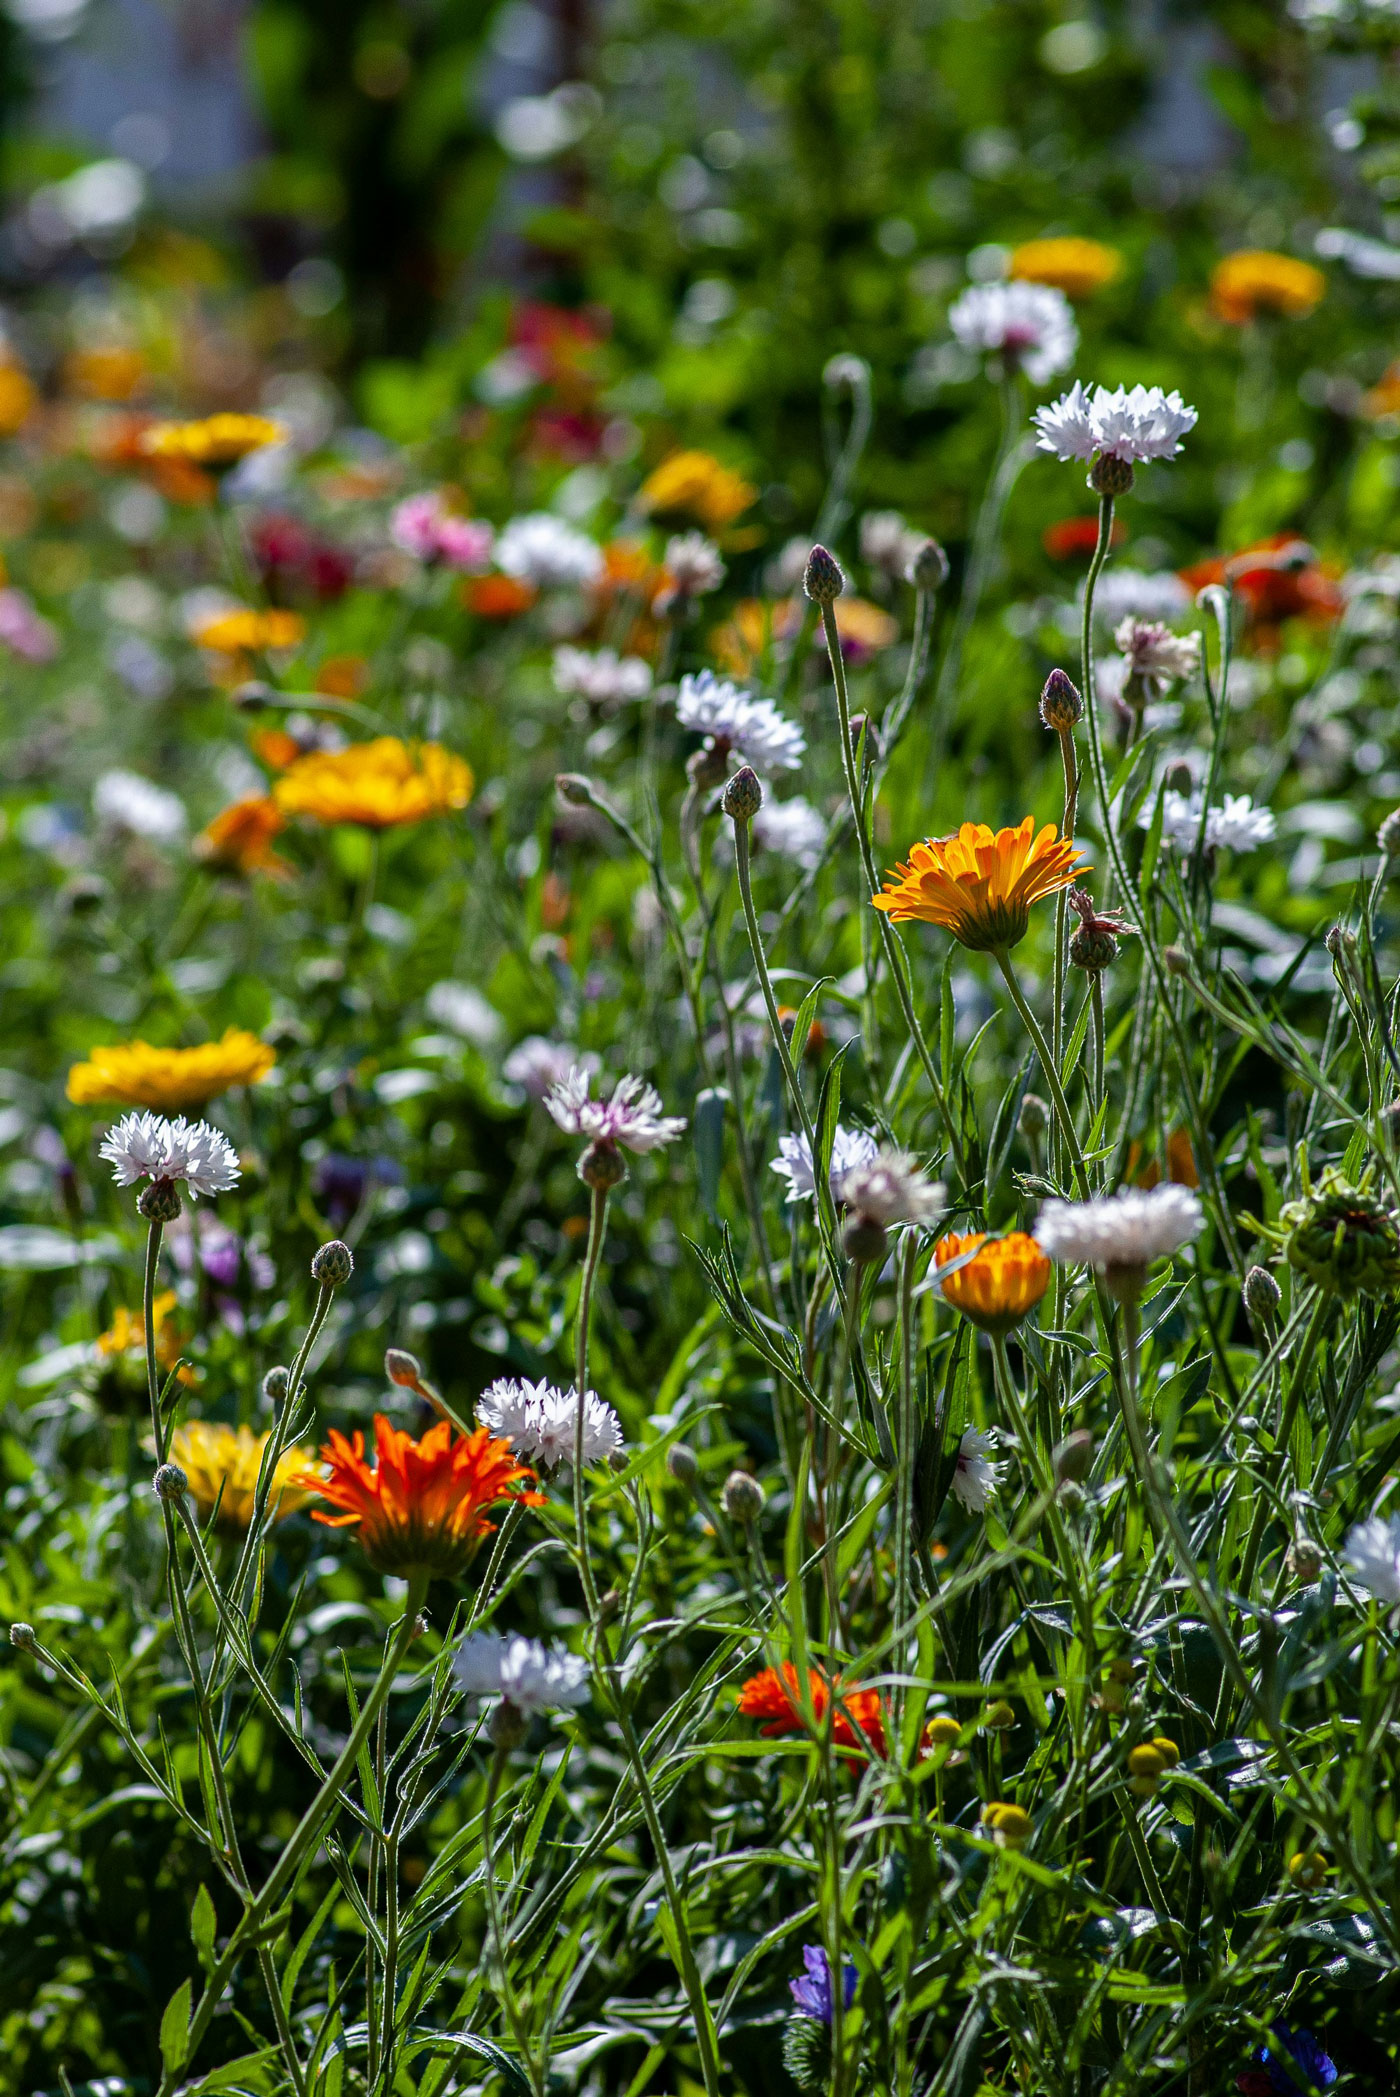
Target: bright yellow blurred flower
x=1011 y=1826
x=230 y=633
x=995 y=1290
x=1148 y=1764
x=239 y=840
x=1383 y=399
x=170 y=1080
x=1309 y=1869
x=214 y=441
x=218 y=1459
x=109 y=372
x=376 y=784
x=942 y=1731
x=17 y=397
x=979 y=884
x=127 y=1335
x=696 y=485
x=1255 y=281
x=1075 y=266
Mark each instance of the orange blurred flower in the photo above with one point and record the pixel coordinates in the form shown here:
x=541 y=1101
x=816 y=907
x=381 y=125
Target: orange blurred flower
x=497 y=596
x=342 y=676
x=108 y=372
x=1276 y=579
x=276 y=748
x=695 y=484
x=1383 y=399
x=741 y=644
x=376 y=784
x=231 y=633
x=239 y=840
x=18 y=399
x=1005 y=1280
x=1074 y=538
x=1256 y=280
x=1071 y=264
x=170 y=1080
x=772 y=1695
x=1181 y=1163
x=421 y=1506
x=979 y=884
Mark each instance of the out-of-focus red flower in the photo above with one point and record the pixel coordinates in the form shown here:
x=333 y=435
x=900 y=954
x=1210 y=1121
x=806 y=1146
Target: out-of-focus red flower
x=1074 y=538
x=291 y=557
x=497 y=596
x=1277 y=579
x=557 y=341
x=772 y=1695
x=576 y=438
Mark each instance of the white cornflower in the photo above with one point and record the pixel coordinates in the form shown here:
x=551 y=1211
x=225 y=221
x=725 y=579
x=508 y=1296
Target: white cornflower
x=1372 y=1556
x=1031 y=325
x=539 y=1421
x=530 y=1676
x=126 y=801
x=1139 y=593
x=600 y=675
x=632 y=1117
x=793 y=828
x=888 y=543
x=1133 y=424
x=544 y=550
x=849 y=1148
x=695 y=567
x=976 y=1478
x=890 y=1188
x=1130 y=1229
x=1156 y=656
x=537 y=1065
x=735 y=721
x=1237 y=826
x=147 y=1146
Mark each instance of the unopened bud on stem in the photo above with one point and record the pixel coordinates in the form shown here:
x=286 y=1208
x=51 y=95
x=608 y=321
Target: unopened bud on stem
x=823 y=580
x=928 y=569
x=1060 y=702
x=743 y=797
x=332 y=1264
x=573 y=788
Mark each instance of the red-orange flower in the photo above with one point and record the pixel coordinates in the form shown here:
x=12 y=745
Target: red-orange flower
x=1072 y=538
x=772 y=1695
x=1278 y=578
x=422 y=1506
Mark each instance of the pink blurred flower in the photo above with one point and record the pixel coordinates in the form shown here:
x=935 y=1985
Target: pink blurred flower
x=23 y=631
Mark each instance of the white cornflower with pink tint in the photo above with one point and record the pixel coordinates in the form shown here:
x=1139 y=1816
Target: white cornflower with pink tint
x=423 y=526
x=540 y=1421
x=849 y=1148
x=532 y=1677
x=632 y=1117
x=600 y=675
x=542 y=549
x=1372 y=1557
x=1134 y=424
x=1130 y=1229
x=737 y=723
x=1032 y=326
x=975 y=1477
x=537 y=1065
x=23 y=631
x=148 y=1147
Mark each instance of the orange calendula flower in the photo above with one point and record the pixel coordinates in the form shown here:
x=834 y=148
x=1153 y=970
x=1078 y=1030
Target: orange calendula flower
x=171 y=1081
x=230 y=633
x=127 y=1335
x=979 y=884
x=421 y=1507
x=1073 y=265
x=693 y=484
x=772 y=1695
x=376 y=784
x=497 y=596
x=214 y=441
x=995 y=1289
x=222 y=1466
x=1256 y=280
x=239 y=840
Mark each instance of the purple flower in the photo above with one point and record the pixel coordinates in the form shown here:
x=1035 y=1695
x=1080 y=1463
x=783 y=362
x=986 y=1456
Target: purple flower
x=1297 y=2061
x=812 y=1993
x=340 y=1184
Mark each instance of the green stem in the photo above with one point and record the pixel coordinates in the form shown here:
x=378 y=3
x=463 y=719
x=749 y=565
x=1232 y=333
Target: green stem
x=148 y=1313
x=514 y=2019
x=597 y=1226
x=1050 y=1070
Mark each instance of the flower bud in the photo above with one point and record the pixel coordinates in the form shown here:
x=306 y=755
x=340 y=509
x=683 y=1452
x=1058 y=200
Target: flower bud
x=1340 y=942
x=865 y=1240
x=1034 y=1117
x=403 y=1368
x=602 y=1166
x=743 y=1498
x=1304 y=1561
x=1262 y=1296
x=1388 y=836
x=998 y=1717
x=618 y=1461
x=1060 y=703
x=1092 y=949
x=943 y=1731
x=159 y=1202
x=683 y=1464
x=253 y=697
x=1073 y=1456
x=507 y=1726
x=170 y=1483
x=1178 y=780
x=928 y=568
x=332 y=1264
x=275 y=1385
x=823 y=580
x=1178 y=961
x=1308 y=1869
x=22 y=1635
x=707 y=767
x=573 y=788
x=743 y=797
x=1110 y=475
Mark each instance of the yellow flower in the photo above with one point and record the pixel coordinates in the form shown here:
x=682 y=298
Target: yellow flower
x=1308 y=1869
x=229 y=633
x=218 y=1459
x=694 y=483
x=942 y=1731
x=172 y=1081
x=376 y=784
x=107 y=371
x=1149 y=1763
x=1255 y=281
x=995 y=1290
x=979 y=884
x=1011 y=1826
x=127 y=1335
x=17 y=397
x=216 y=440
x=1072 y=265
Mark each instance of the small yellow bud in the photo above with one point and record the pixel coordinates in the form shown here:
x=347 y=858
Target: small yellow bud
x=1308 y=1869
x=942 y=1732
x=1011 y=1826
x=999 y=1717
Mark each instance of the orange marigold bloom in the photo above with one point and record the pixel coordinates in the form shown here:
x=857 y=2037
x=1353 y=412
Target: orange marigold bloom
x=1181 y=1163
x=772 y=1695
x=979 y=884
x=275 y=748
x=497 y=596
x=995 y=1290
x=695 y=484
x=239 y=840
x=214 y=441
x=741 y=644
x=1383 y=399
x=376 y=784
x=1256 y=280
x=229 y=633
x=171 y=1081
x=1071 y=264
x=343 y=676
x=421 y=1507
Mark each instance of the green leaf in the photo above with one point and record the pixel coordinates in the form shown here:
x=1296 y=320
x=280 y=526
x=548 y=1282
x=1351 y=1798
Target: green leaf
x=175 y=2030
x=202 y=1925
